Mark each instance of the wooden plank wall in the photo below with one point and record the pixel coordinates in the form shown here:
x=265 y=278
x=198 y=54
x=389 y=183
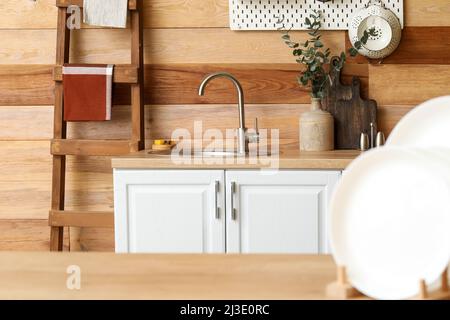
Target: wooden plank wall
x=184 y=40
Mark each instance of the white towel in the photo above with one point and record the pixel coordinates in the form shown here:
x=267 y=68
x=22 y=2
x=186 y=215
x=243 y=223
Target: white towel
x=105 y=13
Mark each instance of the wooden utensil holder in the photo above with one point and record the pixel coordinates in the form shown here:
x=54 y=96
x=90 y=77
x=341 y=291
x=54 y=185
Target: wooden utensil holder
x=342 y=289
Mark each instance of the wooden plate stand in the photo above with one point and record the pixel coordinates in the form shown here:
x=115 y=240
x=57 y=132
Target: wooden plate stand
x=131 y=74
x=342 y=289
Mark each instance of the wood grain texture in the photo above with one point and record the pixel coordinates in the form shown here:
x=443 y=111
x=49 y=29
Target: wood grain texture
x=176 y=84
x=160 y=46
x=423 y=45
x=25 y=14
x=389 y=116
x=419 y=45
x=137 y=136
x=288 y=159
x=26 y=123
x=187 y=14
x=427 y=12
x=25 y=171
x=25 y=235
x=59 y=131
x=91 y=147
x=262 y=83
x=18 y=123
x=225 y=46
x=271 y=83
x=408 y=84
x=122 y=73
x=25 y=168
x=33 y=235
x=163 y=119
x=26 y=85
x=132 y=4
x=353 y=117
x=264 y=277
x=92 y=239
x=352 y=114
x=160 y=121
x=184 y=41
x=66 y=218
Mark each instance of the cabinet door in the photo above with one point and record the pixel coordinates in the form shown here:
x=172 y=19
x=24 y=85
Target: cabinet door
x=169 y=211
x=280 y=212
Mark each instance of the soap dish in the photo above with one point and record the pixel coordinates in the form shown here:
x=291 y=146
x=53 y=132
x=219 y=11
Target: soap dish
x=167 y=145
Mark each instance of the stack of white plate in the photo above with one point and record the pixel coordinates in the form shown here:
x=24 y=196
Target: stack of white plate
x=390 y=214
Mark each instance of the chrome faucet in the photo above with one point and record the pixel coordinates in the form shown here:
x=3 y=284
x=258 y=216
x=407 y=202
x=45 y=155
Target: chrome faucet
x=244 y=137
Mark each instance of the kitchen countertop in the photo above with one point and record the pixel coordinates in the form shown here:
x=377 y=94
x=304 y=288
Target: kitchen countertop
x=43 y=275
x=332 y=160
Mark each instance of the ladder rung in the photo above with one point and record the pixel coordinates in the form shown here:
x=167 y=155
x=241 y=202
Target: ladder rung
x=92 y=147
x=132 y=4
x=122 y=74
x=60 y=218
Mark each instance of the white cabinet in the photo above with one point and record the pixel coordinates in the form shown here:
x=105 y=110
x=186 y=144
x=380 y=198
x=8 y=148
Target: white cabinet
x=284 y=212
x=169 y=211
x=186 y=211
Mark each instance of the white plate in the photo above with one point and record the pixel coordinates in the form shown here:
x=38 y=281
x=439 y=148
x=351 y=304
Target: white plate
x=427 y=125
x=390 y=222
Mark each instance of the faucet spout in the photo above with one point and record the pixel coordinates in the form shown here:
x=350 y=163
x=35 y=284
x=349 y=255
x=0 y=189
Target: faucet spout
x=201 y=92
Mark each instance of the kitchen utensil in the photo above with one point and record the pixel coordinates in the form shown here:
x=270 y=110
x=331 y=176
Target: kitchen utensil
x=364 y=142
x=386 y=24
x=427 y=125
x=351 y=121
x=354 y=116
x=335 y=89
x=372 y=135
x=389 y=243
x=381 y=140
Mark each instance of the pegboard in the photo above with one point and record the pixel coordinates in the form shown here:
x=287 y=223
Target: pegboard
x=262 y=14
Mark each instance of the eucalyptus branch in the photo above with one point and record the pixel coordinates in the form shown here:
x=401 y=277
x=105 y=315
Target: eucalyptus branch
x=314 y=56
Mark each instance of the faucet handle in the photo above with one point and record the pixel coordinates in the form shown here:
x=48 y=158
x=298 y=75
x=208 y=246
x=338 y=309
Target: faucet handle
x=254 y=136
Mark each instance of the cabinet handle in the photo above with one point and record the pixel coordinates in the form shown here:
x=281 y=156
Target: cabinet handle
x=233 y=209
x=216 y=192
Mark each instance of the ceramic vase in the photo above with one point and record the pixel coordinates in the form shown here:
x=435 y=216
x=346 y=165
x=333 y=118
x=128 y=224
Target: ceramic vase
x=316 y=129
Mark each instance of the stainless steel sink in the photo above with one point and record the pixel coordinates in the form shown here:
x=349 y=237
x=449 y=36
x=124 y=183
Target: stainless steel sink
x=217 y=154
x=202 y=154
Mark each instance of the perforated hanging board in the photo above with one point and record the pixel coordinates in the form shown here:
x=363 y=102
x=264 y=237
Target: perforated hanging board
x=263 y=14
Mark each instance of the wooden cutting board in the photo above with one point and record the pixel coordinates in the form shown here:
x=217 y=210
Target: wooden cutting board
x=353 y=117
x=335 y=91
x=352 y=114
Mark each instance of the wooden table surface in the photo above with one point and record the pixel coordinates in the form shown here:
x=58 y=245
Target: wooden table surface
x=109 y=276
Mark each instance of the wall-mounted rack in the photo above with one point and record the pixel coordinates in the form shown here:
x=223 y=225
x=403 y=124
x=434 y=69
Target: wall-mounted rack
x=262 y=14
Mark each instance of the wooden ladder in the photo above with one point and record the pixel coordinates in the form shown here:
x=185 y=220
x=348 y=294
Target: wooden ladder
x=132 y=74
